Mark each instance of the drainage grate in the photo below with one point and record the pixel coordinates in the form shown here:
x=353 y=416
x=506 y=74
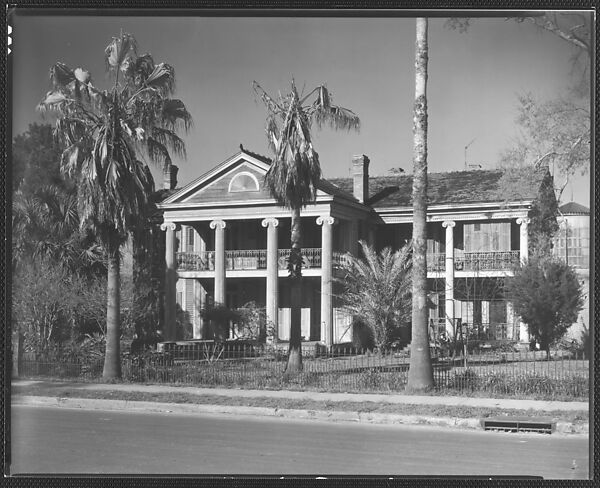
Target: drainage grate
x=520 y=424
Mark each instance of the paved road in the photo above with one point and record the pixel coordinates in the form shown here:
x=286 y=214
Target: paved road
x=58 y=440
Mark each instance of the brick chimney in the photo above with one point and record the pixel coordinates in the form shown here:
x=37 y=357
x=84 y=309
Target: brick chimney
x=170 y=177
x=360 y=176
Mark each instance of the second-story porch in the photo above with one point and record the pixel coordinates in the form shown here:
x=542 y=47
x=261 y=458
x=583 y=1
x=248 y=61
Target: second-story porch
x=248 y=261
x=473 y=263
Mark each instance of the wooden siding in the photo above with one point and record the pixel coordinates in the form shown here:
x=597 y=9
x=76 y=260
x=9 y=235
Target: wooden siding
x=218 y=190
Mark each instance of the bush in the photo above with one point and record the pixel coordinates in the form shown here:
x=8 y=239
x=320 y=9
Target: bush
x=370 y=379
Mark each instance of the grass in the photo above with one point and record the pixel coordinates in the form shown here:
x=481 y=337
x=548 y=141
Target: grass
x=488 y=375
x=71 y=390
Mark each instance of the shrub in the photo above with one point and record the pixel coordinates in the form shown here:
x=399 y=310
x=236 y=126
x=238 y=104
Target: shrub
x=370 y=379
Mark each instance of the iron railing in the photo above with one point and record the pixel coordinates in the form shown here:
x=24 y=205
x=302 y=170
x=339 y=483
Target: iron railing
x=436 y=262
x=251 y=259
x=484 y=331
x=486 y=261
x=474 y=261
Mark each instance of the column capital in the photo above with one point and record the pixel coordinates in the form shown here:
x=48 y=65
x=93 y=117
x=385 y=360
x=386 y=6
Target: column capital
x=448 y=223
x=270 y=221
x=326 y=219
x=523 y=221
x=221 y=224
x=169 y=226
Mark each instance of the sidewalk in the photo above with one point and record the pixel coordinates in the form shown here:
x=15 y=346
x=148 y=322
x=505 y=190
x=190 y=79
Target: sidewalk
x=539 y=405
x=533 y=405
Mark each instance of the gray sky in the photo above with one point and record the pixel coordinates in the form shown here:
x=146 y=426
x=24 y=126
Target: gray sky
x=368 y=65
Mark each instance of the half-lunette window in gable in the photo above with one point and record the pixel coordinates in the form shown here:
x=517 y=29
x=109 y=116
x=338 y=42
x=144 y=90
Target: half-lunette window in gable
x=243 y=182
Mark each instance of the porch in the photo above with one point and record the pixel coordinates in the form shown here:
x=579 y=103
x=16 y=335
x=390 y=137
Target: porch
x=474 y=262
x=253 y=259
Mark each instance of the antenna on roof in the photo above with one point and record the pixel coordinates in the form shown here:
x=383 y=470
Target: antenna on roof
x=466 y=147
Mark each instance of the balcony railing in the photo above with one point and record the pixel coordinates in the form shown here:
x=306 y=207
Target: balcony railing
x=469 y=331
x=436 y=262
x=474 y=261
x=486 y=261
x=250 y=259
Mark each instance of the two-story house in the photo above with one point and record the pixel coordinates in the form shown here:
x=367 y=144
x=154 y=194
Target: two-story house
x=227 y=241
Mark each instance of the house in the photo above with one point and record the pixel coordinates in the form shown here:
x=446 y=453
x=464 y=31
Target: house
x=227 y=241
x=572 y=244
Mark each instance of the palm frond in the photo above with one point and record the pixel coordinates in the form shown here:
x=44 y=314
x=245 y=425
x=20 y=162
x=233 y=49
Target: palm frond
x=158 y=152
x=139 y=71
x=120 y=50
x=272 y=105
x=336 y=117
x=53 y=101
x=162 y=79
x=61 y=75
x=170 y=140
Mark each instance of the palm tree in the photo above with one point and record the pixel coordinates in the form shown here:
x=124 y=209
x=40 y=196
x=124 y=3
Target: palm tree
x=377 y=290
x=420 y=373
x=294 y=174
x=103 y=133
x=45 y=224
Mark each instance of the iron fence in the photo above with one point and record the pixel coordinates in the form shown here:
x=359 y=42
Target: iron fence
x=341 y=369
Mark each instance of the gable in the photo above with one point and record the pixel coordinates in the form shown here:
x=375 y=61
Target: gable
x=238 y=179
x=244 y=181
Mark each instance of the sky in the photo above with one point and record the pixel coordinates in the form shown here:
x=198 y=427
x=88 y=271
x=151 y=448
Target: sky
x=366 y=63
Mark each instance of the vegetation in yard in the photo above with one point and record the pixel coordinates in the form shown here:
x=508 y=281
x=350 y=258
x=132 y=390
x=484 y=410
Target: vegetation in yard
x=103 y=134
x=547 y=295
x=494 y=375
x=377 y=290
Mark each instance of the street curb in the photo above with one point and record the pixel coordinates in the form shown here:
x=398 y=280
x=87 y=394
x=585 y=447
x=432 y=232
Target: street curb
x=302 y=414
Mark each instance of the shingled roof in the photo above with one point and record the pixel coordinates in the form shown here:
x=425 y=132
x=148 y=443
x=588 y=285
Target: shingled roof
x=573 y=208
x=478 y=186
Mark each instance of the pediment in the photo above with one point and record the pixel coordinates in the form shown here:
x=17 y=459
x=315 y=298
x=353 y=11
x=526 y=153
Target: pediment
x=238 y=179
x=241 y=178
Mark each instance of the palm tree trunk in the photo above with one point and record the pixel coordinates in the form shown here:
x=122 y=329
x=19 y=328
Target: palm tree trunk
x=112 y=358
x=294 y=364
x=420 y=373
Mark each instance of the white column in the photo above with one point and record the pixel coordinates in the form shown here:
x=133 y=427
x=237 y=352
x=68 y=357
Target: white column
x=450 y=322
x=353 y=233
x=524 y=238
x=169 y=325
x=523 y=254
x=272 y=305
x=199 y=291
x=326 y=278
x=219 y=227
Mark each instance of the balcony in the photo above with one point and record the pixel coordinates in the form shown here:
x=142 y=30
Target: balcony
x=251 y=259
x=474 y=261
x=486 y=261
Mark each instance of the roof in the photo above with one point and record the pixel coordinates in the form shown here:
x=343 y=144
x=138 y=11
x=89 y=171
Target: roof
x=476 y=186
x=573 y=208
x=171 y=196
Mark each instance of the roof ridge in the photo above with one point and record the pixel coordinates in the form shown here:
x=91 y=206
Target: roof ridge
x=256 y=155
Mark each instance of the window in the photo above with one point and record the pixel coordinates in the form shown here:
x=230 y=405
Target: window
x=190 y=239
x=243 y=182
x=487 y=236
